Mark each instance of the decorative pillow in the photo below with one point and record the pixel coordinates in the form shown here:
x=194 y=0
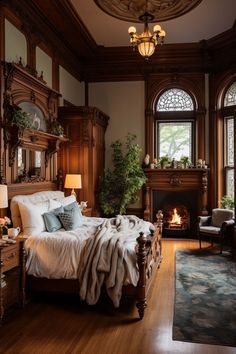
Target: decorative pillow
x=56 y=203
x=52 y=221
x=31 y=216
x=71 y=218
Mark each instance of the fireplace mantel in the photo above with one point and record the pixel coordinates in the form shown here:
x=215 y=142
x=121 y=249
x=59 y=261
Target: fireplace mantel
x=176 y=180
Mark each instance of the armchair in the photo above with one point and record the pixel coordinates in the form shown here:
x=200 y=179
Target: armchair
x=219 y=226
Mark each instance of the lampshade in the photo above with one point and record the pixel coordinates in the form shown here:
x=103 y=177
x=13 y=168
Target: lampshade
x=3 y=196
x=73 y=181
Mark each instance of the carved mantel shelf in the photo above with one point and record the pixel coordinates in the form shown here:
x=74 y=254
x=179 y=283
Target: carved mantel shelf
x=176 y=180
x=34 y=140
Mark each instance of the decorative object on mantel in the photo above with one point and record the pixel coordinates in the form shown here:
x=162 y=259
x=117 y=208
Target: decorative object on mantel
x=185 y=160
x=56 y=128
x=164 y=161
x=21 y=119
x=120 y=185
x=146 y=161
x=30 y=70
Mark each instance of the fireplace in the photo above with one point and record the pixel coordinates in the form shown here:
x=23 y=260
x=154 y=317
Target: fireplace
x=179 y=212
x=181 y=194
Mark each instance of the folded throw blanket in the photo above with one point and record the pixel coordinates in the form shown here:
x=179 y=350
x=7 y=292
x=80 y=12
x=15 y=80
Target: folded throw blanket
x=109 y=258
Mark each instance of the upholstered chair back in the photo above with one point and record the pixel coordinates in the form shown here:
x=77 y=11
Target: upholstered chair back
x=221 y=215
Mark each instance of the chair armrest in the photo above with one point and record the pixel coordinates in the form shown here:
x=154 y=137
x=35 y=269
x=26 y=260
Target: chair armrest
x=204 y=220
x=228 y=223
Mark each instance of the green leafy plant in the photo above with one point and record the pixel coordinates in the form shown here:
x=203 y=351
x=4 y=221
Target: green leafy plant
x=120 y=185
x=56 y=128
x=21 y=119
x=164 y=161
x=227 y=202
x=185 y=160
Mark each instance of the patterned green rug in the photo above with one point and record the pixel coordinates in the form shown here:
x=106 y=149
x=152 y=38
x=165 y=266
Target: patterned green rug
x=205 y=298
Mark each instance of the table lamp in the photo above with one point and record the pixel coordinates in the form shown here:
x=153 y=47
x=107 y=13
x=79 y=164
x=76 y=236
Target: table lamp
x=73 y=182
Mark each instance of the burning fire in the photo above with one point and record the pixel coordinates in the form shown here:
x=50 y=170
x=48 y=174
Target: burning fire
x=176 y=219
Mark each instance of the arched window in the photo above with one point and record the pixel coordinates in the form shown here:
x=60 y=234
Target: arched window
x=175 y=99
x=175 y=124
x=228 y=112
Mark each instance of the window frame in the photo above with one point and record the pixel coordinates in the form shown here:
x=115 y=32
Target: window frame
x=227 y=114
x=172 y=117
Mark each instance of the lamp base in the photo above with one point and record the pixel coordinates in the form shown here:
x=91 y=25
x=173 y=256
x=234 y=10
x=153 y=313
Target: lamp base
x=73 y=193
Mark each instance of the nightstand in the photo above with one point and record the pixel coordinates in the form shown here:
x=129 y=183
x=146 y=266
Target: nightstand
x=12 y=276
x=87 y=212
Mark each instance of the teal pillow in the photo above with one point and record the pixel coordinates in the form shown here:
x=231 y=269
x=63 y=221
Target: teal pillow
x=71 y=218
x=52 y=221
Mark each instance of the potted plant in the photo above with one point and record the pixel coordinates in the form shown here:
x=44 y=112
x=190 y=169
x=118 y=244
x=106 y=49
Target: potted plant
x=227 y=202
x=120 y=184
x=21 y=119
x=185 y=160
x=164 y=161
x=56 y=128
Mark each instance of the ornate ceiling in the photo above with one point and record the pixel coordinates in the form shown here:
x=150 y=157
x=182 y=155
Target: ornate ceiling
x=131 y=10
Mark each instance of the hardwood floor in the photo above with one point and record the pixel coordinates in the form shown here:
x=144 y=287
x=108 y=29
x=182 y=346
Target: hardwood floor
x=53 y=325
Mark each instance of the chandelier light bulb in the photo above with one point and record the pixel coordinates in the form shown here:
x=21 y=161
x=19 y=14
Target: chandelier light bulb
x=132 y=30
x=157 y=28
x=162 y=33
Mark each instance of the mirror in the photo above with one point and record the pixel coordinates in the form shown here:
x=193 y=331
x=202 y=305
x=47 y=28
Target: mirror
x=30 y=165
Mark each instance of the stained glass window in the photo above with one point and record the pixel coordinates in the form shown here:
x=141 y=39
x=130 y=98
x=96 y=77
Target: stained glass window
x=230 y=96
x=229 y=141
x=175 y=99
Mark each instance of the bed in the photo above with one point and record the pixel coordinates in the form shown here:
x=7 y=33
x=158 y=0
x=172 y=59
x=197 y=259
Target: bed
x=120 y=254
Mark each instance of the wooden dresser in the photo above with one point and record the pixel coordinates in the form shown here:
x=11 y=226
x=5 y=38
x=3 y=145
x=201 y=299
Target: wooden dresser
x=12 y=275
x=85 y=152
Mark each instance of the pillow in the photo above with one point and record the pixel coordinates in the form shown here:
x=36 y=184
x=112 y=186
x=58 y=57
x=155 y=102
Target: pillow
x=31 y=216
x=56 y=203
x=71 y=218
x=52 y=221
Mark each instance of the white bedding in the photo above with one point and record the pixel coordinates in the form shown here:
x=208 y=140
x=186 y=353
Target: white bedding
x=56 y=255
x=100 y=251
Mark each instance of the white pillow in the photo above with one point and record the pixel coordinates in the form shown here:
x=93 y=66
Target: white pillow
x=31 y=216
x=57 y=203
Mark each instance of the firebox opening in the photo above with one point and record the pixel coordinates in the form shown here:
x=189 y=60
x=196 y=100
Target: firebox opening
x=179 y=212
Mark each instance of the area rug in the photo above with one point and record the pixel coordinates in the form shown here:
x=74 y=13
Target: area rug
x=205 y=298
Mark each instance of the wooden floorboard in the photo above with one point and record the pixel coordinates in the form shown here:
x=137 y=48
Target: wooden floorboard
x=52 y=325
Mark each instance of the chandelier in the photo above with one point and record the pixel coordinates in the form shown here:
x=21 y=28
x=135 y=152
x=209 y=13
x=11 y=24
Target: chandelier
x=146 y=41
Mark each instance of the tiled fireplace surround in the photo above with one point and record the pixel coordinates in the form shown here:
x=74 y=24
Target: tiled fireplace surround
x=176 y=187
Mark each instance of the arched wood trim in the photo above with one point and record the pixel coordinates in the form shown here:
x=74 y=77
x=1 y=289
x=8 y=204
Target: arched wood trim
x=194 y=85
x=219 y=84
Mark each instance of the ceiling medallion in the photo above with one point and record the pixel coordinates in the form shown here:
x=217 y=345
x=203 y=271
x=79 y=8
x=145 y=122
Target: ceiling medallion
x=161 y=10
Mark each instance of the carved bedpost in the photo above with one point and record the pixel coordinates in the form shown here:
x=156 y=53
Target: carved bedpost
x=141 y=259
x=60 y=180
x=23 y=274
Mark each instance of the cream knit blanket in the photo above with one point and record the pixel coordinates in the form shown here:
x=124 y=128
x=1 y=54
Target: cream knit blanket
x=109 y=258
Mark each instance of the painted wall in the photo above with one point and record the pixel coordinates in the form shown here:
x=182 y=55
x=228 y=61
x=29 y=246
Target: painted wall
x=124 y=103
x=15 y=44
x=44 y=65
x=71 y=89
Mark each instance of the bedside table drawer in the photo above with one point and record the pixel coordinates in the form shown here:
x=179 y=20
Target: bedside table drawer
x=10 y=258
